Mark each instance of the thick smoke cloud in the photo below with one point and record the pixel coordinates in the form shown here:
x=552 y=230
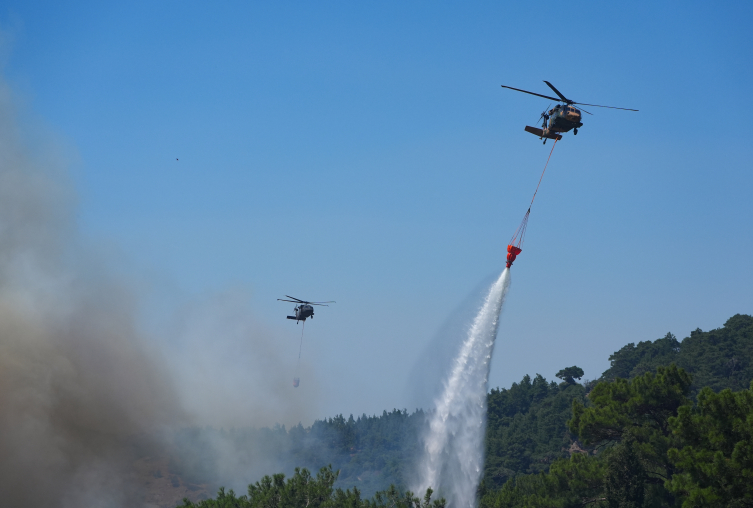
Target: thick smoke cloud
x=77 y=383
x=83 y=393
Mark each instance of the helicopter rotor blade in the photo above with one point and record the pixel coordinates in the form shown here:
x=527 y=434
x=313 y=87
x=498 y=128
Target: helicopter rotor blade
x=296 y=300
x=581 y=109
x=610 y=107
x=536 y=94
x=562 y=97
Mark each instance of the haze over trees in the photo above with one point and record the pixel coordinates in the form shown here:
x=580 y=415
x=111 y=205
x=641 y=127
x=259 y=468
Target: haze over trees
x=670 y=423
x=305 y=490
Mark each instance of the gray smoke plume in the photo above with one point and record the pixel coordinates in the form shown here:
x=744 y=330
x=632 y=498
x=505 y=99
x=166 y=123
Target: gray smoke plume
x=83 y=393
x=233 y=371
x=77 y=383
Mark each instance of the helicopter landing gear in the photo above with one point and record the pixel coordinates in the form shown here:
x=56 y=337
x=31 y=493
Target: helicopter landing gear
x=575 y=132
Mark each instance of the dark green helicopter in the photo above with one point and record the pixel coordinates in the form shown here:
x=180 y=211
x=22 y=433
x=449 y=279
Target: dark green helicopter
x=562 y=117
x=303 y=309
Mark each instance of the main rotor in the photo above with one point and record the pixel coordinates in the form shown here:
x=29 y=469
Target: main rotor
x=296 y=300
x=563 y=99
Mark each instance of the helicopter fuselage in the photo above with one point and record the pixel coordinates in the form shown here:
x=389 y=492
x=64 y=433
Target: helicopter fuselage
x=563 y=118
x=302 y=312
x=303 y=309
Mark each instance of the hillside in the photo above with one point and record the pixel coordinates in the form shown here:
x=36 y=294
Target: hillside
x=371 y=452
x=527 y=424
x=526 y=427
x=719 y=359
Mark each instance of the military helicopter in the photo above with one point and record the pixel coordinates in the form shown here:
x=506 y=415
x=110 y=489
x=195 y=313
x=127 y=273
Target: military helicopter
x=562 y=117
x=303 y=309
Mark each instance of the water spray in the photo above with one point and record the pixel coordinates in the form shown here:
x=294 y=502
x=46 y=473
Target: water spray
x=453 y=445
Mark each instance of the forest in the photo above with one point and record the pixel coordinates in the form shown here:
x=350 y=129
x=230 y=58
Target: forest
x=669 y=423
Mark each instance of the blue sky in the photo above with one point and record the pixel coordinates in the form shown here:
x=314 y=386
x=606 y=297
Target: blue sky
x=365 y=153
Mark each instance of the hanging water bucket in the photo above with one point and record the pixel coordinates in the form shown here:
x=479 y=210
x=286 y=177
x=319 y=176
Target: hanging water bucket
x=296 y=381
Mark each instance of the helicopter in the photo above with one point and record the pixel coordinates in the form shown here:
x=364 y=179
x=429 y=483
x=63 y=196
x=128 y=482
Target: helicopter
x=562 y=117
x=303 y=309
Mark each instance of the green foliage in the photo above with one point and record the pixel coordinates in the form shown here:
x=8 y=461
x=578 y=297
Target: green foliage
x=717 y=457
x=526 y=428
x=628 y=424
x=719 y=359
x=641 y=406
x=649 y=446
x=305 y=491
x=577 y=481
x=638 y=411
x=632 y=360
x=625 y=477
x=370 y=452
x=569 y=373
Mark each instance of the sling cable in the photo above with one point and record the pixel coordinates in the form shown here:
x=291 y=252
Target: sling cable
x=296 y=379
x=515 y=246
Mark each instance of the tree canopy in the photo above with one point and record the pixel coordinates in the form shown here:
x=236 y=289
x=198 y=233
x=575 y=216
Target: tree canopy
x=648 y=445
x=569 y=374
x=670 y=423
x=716 y=457
x=720 y=358
x=303 y=490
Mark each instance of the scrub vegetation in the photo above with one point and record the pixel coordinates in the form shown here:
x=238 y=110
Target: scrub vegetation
x=670 y=423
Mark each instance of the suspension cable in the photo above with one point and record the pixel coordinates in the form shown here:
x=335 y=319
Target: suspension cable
x=542 y=173
x=520 y=233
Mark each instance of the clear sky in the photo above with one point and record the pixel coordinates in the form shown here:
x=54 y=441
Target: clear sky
x=364 y=152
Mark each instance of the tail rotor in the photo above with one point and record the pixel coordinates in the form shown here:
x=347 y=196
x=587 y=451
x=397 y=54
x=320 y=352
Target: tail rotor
x=544 y=117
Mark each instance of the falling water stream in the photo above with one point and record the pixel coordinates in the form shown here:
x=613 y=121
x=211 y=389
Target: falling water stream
x=454 y=455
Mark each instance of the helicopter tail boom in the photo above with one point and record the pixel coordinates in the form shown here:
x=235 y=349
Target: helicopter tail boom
x=540 y=133
x=291 y=317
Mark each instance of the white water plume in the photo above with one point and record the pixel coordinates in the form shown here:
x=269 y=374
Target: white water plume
x=454 y=456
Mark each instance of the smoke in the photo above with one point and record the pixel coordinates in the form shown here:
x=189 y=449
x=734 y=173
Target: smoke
x=454 y=459
x=84 y=393
x=232 y=369
x=77 y=382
